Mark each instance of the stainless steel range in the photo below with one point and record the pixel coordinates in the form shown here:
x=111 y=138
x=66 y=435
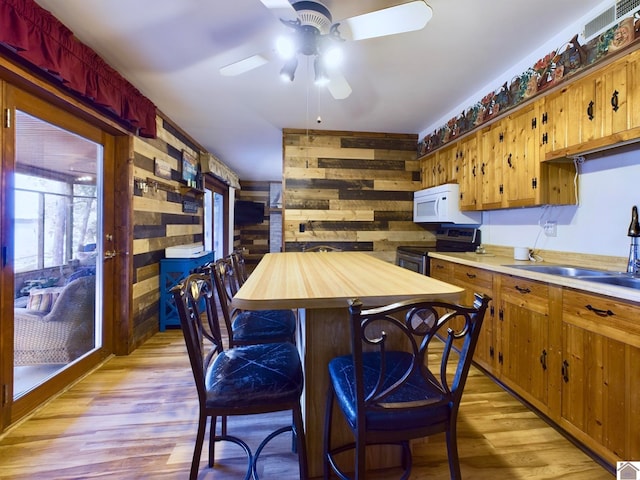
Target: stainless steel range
x=448 y=239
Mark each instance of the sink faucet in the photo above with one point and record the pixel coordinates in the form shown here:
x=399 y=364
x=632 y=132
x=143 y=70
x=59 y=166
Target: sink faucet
x=633 y=266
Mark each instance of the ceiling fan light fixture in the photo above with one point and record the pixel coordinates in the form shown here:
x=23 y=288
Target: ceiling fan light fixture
x=285 y=47
x=288 y=71
x=321 y=78
x=333 y=57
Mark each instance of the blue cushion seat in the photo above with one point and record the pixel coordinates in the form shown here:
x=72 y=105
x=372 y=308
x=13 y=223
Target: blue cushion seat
x=257 y=374
x=257 y=326
x=417 y=389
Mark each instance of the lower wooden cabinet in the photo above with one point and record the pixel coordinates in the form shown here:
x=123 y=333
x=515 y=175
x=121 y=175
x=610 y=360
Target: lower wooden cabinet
x=524 y=321
x=573 y=355
x=601 y=373
x=477 y=280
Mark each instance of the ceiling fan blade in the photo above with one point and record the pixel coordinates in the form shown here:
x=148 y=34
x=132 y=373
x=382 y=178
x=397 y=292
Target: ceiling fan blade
x=407 y=17
x=281 y=9
x=242 y=66
x=338 y=85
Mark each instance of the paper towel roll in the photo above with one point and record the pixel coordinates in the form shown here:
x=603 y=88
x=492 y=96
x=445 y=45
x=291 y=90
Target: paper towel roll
x=521 y=253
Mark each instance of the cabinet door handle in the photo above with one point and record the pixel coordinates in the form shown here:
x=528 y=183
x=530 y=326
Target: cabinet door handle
x=590 y=110
x=491 y=352
x=439 y=267
x=473 y=171
x=599 y=312
x=471 y=275
x=543 y=359
x=565 y=371
x=482 y=168
x=614 y=101
x=509 y=161
x=524 y=290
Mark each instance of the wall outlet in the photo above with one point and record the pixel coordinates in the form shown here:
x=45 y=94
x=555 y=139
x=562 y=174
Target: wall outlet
x=551 y=229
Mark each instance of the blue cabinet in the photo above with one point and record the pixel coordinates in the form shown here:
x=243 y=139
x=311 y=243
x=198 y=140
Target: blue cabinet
x=172 y=271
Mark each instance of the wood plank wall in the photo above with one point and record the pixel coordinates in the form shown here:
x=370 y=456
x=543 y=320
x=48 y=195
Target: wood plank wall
x=159 y=221
x=353 y=190
x=253 y=239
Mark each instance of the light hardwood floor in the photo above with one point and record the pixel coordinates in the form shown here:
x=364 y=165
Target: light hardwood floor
x=135 y=418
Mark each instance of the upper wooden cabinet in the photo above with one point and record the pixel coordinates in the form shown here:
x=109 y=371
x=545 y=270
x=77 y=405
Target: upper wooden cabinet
x=521 y=169
x=509 y=163
x=596 y=111
x=491 y=159
x=469 y=173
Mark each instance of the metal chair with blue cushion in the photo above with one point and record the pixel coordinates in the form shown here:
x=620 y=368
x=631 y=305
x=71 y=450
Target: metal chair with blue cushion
x=386 y=388
x=240 y=266
x=247 y=327
x=239 y=381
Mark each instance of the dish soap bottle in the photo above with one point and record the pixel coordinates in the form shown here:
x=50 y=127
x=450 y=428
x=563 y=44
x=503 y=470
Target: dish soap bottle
x=634 y=253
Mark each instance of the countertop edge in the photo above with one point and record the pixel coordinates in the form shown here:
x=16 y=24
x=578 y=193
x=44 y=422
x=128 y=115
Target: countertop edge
x=500 y=264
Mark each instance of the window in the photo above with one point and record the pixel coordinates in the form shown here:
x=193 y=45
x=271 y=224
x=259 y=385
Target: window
x=55 y=222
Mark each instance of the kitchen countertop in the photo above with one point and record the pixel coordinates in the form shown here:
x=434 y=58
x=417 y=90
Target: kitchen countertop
x=499 y=263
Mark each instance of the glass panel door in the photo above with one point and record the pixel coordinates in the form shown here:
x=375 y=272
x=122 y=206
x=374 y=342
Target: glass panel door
x=216 y=217
x=57 y=230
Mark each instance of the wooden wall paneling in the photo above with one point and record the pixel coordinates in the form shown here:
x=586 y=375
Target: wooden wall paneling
x=350 y=189
x=158 y=219
x=254 y=239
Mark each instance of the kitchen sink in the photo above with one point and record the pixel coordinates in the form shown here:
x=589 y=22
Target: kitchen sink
x=564 y=271
x=619 y=279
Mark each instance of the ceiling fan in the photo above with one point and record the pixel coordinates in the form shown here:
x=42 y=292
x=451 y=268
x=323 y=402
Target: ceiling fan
x=314 y=34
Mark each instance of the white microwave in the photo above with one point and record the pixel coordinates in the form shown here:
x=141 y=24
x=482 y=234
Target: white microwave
x=441 y=205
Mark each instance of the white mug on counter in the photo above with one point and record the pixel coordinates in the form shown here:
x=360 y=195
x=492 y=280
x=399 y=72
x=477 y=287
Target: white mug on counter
x=521 y=253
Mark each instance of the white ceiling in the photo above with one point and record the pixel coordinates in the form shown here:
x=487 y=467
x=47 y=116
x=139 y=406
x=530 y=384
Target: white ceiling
x=171 y=51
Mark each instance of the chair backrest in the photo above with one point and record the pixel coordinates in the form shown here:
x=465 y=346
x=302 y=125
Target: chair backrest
x=226 y=285
x=195 y=302
x=321 y=248
x=239 y=265
x=414 y=324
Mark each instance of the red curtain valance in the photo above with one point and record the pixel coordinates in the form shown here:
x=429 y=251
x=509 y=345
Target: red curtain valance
x=45 y=42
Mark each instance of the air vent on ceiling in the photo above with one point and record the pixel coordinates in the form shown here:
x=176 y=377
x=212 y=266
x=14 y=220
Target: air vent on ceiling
x=610 y=17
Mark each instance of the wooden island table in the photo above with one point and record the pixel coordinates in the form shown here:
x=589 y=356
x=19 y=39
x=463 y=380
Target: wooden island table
x=320 y=285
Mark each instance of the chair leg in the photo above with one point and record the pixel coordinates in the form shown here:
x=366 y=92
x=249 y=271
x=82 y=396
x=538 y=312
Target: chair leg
x=360 y=456
x=197 y=451
x=212 y=441
x=301 y=442
x=294 y=442
x=328 y=418
x=452 y=451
